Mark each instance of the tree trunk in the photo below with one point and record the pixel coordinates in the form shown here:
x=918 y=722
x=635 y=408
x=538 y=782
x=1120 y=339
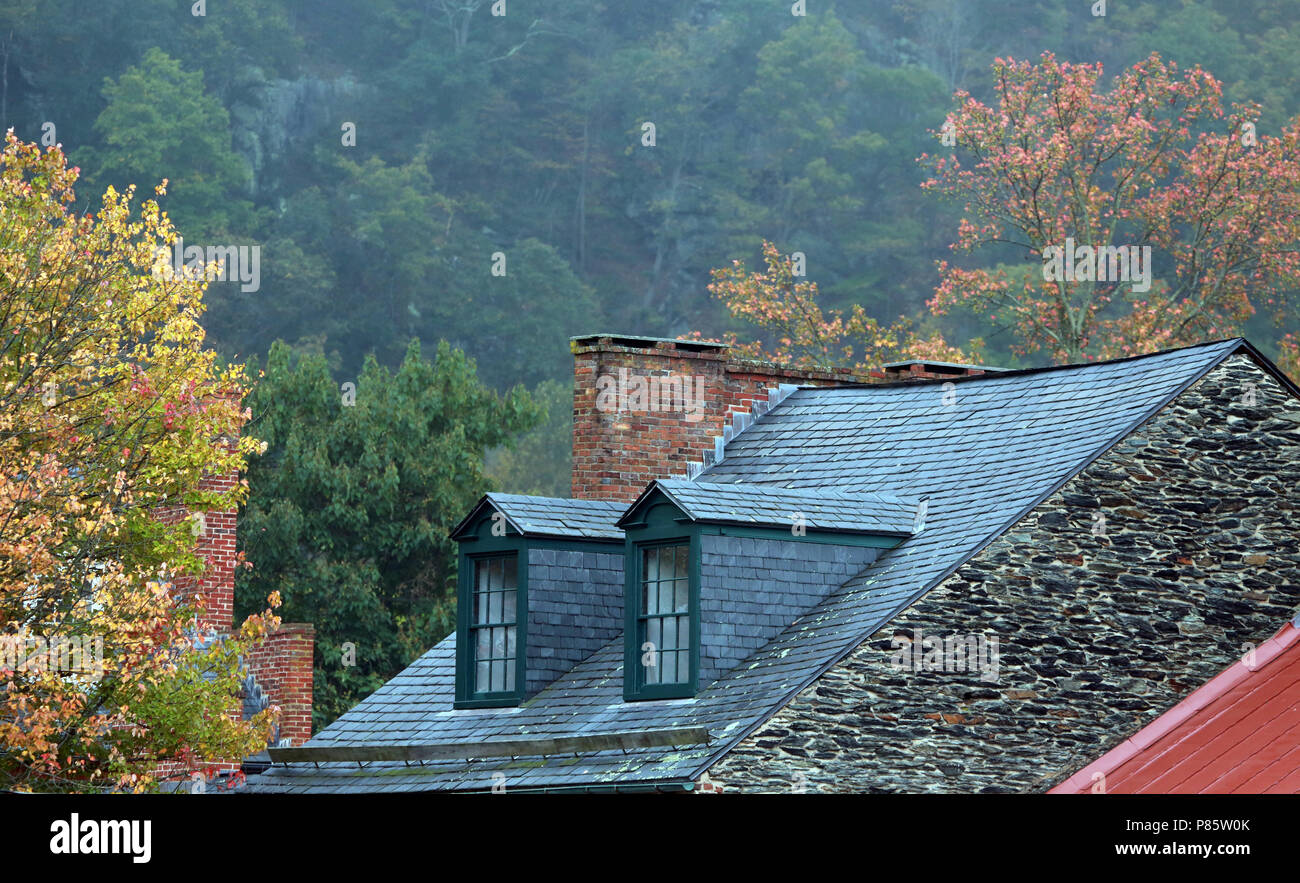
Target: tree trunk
x=580 y=249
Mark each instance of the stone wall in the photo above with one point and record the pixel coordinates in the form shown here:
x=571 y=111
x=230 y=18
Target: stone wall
x=1146 y=575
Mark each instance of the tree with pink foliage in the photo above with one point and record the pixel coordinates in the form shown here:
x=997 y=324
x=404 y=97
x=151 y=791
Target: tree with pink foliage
x=1152 y=172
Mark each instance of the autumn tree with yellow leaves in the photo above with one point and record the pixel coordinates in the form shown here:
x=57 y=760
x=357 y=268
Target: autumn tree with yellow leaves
x=110 y=408
x=798 y=332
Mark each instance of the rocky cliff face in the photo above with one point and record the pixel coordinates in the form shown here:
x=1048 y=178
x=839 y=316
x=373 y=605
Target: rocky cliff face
x=268 y=116
x=1143 y=577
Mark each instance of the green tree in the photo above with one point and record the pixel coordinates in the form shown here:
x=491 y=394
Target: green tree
x=350 y=507
x=541 y=461
x=160 y=124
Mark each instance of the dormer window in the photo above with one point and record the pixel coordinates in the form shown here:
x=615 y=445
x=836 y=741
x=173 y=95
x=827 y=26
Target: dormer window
x=494 y=627
x=716 y=571
x=664 y=617
x=661 y=627
x=541 y=589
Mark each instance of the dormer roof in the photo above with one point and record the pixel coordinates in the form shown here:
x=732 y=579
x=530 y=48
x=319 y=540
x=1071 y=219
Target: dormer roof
x=549 y=517
x=824 y=509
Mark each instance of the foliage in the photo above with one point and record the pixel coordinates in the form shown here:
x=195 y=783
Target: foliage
x=540 y=462
x=110 y=408
x=807 y=336
x=159 y=124
x=1153 y=163
x=352 y=503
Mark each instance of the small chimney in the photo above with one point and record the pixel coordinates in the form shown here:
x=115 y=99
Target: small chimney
x=282 y=665
x=215 y=544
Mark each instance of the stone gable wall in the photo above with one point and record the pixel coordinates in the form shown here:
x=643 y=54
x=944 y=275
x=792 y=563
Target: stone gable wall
x=1143 y=577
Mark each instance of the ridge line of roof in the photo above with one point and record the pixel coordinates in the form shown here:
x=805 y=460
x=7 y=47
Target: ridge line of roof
x=1041 y=369
x=840 y=655
x=829 y=491
x=658 y=483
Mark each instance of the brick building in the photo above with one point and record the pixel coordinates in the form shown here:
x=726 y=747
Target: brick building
x=933 y=578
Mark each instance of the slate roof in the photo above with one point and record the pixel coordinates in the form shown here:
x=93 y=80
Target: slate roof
x=553 y=516
x=761 y=505
x=1238 y=733
x=1003 y=444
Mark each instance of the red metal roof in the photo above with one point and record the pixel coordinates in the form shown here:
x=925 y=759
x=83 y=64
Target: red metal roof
x=1240 y=732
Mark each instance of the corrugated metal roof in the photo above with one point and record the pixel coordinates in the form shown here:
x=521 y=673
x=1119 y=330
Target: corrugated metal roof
x=984 y=454
x=1237 y=734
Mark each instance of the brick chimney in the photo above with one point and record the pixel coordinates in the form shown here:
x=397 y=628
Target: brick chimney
x=215 y=544
x=282 y=665
x=647 y=407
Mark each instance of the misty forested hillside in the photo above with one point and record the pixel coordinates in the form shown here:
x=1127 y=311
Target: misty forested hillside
x=525 y=134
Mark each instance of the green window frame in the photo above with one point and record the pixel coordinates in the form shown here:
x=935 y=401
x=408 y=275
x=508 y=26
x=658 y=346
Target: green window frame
x=492 y=619
x=494 y=625
x=662 y=619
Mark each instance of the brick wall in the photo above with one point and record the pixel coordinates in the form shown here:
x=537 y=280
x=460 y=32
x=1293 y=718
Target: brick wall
x=282 y=665
x=1100 y=630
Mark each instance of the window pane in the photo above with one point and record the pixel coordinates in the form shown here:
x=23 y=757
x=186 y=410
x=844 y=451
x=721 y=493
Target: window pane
x=493 y=624
x=650 y=658
x=668 y=665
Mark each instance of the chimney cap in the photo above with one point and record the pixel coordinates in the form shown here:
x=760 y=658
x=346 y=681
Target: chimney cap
x=634 y=341
x=939 y=367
